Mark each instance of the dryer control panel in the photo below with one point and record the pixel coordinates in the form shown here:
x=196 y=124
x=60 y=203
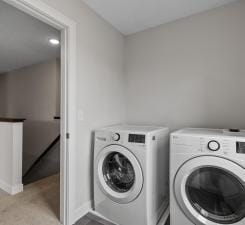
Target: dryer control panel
x=217 y=145
x=209 y=145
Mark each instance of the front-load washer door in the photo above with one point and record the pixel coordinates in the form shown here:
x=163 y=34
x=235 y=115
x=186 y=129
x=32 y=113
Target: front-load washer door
x=211 y=190
x=119 y=174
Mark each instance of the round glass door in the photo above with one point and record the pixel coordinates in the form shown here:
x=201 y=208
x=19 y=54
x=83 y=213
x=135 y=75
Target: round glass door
x=118 y=172
x=216 y=194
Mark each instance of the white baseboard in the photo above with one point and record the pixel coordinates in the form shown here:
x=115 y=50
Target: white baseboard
x=82 y=211
x=12 y=190
x=164 y=217
x=17 y=189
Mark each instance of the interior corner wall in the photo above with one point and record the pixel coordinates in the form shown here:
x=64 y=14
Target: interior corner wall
x=100 y=86
x=189 y=73
x=3 y=95
x=32 y=91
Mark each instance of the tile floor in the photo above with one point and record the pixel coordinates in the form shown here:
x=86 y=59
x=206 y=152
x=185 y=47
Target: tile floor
x=91 y=219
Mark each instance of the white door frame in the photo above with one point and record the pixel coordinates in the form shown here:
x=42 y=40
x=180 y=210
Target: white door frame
x=45 y=13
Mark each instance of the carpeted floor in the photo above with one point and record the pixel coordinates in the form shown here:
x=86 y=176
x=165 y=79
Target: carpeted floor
x=38 y=204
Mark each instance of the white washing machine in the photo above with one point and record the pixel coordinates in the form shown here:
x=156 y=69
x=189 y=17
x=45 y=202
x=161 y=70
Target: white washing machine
x=131 y=174
x=207 y=177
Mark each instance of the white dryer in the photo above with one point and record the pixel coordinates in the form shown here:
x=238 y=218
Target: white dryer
x=131 y=174
x=207 y=177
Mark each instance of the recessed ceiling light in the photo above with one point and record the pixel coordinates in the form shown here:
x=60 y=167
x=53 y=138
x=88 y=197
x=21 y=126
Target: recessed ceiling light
x=54 y=41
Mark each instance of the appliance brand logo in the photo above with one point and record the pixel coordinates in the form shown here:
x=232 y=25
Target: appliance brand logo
x=101 y=138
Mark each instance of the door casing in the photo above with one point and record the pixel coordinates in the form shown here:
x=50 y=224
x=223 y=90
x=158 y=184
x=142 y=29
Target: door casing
x=54 y=18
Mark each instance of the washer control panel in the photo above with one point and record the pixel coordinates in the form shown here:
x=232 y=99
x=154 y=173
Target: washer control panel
x=126 y=138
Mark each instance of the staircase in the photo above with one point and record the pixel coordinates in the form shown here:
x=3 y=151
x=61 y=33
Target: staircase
x=41 y=151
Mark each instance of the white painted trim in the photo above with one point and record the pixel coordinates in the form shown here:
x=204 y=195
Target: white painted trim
x=51 y=16
x=5 y=187
x=12 y=190
x=17 y=148
x=82 y=211
x=164 y=217
x=16 y=189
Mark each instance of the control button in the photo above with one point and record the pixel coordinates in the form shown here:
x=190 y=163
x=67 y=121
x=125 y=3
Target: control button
x=116 y=137
x=213 y=145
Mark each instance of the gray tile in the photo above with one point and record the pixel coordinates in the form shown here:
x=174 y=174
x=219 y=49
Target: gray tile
x=83 y=221
x=91 y=219
x=94 y=223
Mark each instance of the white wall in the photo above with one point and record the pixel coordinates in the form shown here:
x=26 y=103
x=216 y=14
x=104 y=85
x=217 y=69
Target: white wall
x=100 y=84
x=11 y=157
x=190 y=72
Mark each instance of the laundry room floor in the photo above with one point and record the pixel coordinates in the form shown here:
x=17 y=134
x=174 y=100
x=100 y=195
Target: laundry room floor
x=91 y=219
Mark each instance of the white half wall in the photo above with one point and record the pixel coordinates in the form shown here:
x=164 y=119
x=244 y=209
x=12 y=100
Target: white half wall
x=11 y=157
x=190 y=72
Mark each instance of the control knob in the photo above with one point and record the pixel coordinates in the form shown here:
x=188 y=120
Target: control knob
x=213 y=145
x=116 y=137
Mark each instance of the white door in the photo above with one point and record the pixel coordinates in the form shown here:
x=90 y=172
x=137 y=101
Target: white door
x=211 y=190
x=119 y=174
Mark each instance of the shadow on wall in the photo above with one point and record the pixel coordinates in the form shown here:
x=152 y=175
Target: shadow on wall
x=37 y=136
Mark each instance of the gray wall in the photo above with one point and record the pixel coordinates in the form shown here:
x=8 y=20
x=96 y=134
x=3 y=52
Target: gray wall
x=32 y=92
x=190 y=72
x=100 y=85
x=3 y=95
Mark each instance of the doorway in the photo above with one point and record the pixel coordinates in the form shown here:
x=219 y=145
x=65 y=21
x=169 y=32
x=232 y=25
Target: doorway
x=67 y=28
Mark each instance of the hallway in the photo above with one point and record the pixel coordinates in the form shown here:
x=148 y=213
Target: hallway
x=37 y=205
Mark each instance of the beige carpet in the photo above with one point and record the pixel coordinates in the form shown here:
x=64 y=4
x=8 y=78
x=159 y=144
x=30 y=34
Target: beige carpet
x=37 y=205
x=2 y=194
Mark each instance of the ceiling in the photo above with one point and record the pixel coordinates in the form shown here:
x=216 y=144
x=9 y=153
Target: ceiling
x=130 y=16
x=24 y=40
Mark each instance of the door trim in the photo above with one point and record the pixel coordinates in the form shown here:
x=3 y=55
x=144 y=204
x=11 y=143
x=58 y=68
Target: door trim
x=135 y=191
x=181 y=177
x=54 y=18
